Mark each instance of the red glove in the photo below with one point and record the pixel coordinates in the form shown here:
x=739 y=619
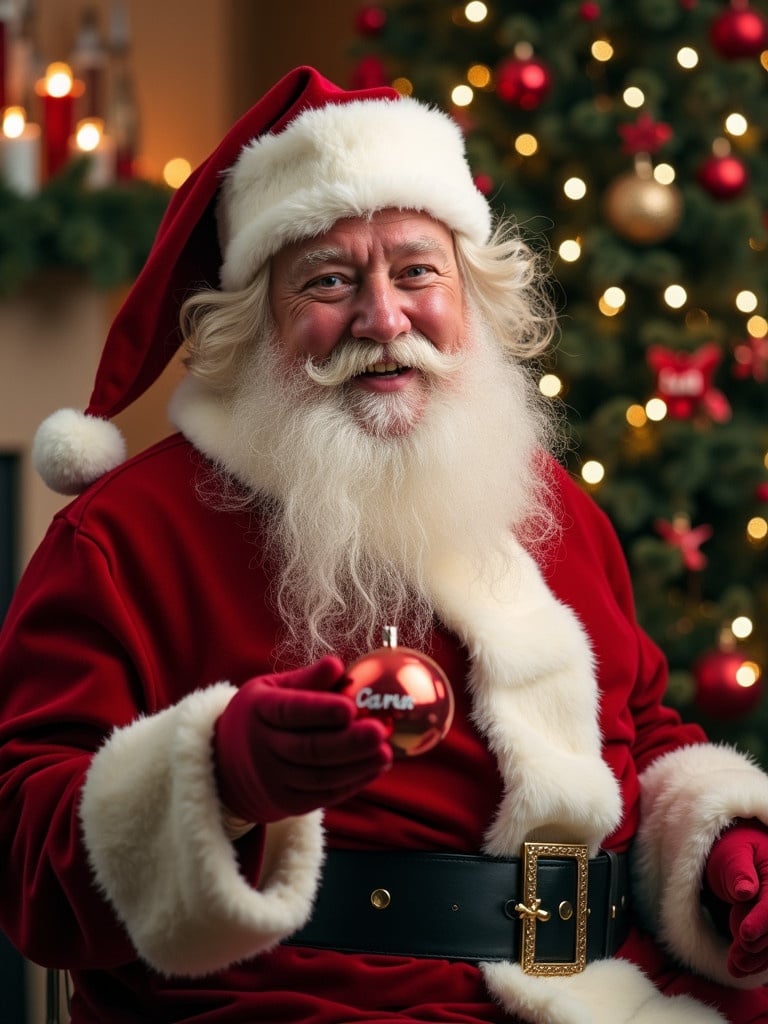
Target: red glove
x=285 y=745
x=737 y=874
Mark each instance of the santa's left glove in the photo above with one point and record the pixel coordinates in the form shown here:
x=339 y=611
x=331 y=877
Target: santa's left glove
x=737 y=875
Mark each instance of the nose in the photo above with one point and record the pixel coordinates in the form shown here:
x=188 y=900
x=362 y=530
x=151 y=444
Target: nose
x=379 y=313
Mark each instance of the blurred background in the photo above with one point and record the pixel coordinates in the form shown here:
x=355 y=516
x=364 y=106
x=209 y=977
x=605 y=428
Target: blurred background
x=628 y=137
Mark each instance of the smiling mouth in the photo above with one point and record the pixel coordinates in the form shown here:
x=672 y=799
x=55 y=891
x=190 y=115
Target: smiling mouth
x=384 y=370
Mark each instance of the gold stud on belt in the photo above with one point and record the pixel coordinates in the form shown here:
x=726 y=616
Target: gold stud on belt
x=380 y=899
x=532 y=913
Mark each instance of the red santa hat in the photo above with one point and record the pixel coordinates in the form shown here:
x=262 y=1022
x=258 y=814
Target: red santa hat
x=307 y=154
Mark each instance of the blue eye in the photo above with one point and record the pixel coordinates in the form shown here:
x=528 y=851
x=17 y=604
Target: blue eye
x=328 y=281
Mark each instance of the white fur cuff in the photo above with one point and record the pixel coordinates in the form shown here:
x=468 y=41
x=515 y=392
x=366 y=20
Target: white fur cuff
x=150 y=815
x=688 y=797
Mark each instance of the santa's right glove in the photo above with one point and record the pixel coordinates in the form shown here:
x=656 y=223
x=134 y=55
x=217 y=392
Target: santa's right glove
x=286 y=745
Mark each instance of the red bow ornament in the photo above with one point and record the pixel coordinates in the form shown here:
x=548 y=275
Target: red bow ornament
x=680 y=534
x=684 y=382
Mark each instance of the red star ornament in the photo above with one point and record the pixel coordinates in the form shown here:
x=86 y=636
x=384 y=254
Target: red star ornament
x=679 y=534
x=684 y=382
x=645 y=135
x=751 y=359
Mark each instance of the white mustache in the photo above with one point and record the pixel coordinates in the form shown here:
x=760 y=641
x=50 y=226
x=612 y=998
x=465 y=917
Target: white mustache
x=351 y=357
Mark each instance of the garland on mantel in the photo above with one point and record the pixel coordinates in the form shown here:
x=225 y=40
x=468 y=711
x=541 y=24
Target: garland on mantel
x=105 y=234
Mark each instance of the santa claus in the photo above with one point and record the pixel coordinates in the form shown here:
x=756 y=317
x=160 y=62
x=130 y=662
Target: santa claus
x=197 y=824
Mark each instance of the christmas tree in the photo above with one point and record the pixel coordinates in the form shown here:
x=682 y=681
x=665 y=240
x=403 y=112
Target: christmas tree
x=628 y=139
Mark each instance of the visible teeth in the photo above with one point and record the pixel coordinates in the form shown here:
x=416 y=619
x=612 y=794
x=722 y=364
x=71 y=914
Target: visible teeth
x=381 y=368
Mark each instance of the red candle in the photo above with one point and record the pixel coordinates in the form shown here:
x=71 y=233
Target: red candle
x=3 y=61
x=58 y=91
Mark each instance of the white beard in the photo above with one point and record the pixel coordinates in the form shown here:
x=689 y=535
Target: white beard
x=361 y=488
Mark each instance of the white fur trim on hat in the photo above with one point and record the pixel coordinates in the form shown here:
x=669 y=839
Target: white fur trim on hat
x=72 y=449
x=345 y=160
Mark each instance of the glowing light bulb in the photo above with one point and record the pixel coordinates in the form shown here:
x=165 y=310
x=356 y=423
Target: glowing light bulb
x=570 y=250
x=636 y=416
x=592 y=472
x=747 y=674
x=526 y=144
x=602 y=50
x=550 y=385
x=479 y=75
x=757 y=528
x=656 y=409
x=746 y=301
x=575 y=188
x=665 y=174
x=687 y=57
x=675 y=296
x=475 y=12
x=176 y=171
x=736 y=124
x=462 y=95
x=742 y=627
x=633 y=97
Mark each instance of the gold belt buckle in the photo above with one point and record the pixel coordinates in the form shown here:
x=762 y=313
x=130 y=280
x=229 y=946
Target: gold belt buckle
x=532 y=913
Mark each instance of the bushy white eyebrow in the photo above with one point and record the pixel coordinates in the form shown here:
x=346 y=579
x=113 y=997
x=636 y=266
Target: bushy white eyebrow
x=313 y=258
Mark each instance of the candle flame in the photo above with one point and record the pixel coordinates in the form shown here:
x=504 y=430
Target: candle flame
x=14 y=120
x=58 y=79
x=89 y=134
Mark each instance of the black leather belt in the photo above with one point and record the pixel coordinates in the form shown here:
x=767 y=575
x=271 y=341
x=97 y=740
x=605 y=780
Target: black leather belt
x=553 y=909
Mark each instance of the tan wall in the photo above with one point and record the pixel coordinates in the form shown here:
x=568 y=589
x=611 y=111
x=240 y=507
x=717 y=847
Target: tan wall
x=198 y=64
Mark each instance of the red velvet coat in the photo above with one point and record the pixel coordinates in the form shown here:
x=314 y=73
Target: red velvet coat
x=142 y=595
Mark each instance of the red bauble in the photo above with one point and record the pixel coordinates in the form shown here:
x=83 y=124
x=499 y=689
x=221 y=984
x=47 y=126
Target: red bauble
x=484 y=183
x=370 y=73
x=523 y=82
x=723 y=176
x=718 y=691
x=739 y=33
x=406 y=690
x=370 y=20
x=589 y=11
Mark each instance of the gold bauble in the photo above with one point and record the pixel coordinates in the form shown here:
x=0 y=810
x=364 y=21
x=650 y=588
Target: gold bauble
x=641 y=209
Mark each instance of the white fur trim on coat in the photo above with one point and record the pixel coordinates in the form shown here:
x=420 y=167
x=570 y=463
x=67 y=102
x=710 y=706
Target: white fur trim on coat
x=535 y=697
x=687 y=798
x=153 y=830
x=344 y=160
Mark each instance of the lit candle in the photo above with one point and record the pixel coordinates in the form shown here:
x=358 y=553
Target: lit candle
x=59 y=91
x=20 y=152
x=90 y=141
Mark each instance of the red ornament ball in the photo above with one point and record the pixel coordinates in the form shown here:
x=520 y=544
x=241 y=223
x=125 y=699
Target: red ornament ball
x=589 y=11
x=523 y=82
x=719 y=693
x=484 y=183
x=370 y=20
x=739 y=33
x=406 y=690
x=723 y=176
x=370 y=73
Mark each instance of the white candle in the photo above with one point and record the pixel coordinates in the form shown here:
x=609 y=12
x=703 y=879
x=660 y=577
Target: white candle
x=20 y=150
x=90 y=141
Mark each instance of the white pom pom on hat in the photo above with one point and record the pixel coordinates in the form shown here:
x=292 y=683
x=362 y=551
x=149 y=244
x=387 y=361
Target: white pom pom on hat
x=307 y=154
x=71 y=450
